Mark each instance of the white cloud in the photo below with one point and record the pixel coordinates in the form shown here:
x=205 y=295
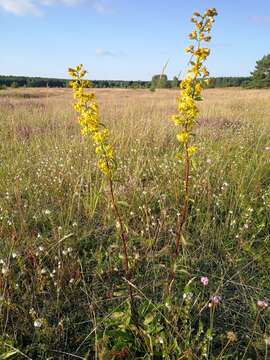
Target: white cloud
x=65 y=2
x=20 y=7
x=100 y=7
x=102 y=52
x=36 y=7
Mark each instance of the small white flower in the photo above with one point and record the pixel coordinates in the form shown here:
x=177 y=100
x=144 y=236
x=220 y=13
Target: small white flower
x=4 y=270
x=37 y=323
x=32 y=312
x=267 y=340
x=47 y=212
x=188 y=296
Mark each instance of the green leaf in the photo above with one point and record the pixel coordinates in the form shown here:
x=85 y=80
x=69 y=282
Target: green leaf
x=149 y=318
x=8 y=354
x=118 y=315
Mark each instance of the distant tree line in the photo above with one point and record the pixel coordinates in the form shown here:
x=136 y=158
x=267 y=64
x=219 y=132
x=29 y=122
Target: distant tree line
x=260 y=78
x=158 y=81
x=231 y=81
x=161 y=81
x=25 y=81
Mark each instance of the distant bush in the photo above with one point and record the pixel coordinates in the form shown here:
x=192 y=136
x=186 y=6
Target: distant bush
x=14 y=85
x=175 y=82
x=160 y=81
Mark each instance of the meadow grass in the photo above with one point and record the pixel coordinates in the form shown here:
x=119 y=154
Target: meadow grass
x=61 y=261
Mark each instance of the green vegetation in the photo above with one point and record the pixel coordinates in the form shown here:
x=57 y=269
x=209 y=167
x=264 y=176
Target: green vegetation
x=26 y=81
x=222 y=82
x=160 y=81
x=261 y=75
x=21 y=81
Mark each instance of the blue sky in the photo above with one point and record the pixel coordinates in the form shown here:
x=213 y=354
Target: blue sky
x=127 y=39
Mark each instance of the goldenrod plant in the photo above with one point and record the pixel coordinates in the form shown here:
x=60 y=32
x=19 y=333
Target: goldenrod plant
x=187 y=115
x=89 y=120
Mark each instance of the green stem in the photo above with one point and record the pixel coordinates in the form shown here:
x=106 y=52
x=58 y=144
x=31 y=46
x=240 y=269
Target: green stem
x=253 y=332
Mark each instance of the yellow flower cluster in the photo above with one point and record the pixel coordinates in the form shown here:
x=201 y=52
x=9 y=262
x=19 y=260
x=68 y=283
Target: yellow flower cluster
x=88 y=110
x=191 y=87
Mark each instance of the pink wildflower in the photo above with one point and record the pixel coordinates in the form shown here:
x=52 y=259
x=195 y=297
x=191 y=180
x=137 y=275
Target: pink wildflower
x=204 y=280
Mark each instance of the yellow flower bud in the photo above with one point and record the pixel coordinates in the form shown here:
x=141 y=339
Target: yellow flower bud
x=192 y=150
x=183 y=137
x=189 y=49
x=193 y=35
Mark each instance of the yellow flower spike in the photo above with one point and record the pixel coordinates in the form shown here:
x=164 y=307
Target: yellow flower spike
x=88 y=118
x=190 y=93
